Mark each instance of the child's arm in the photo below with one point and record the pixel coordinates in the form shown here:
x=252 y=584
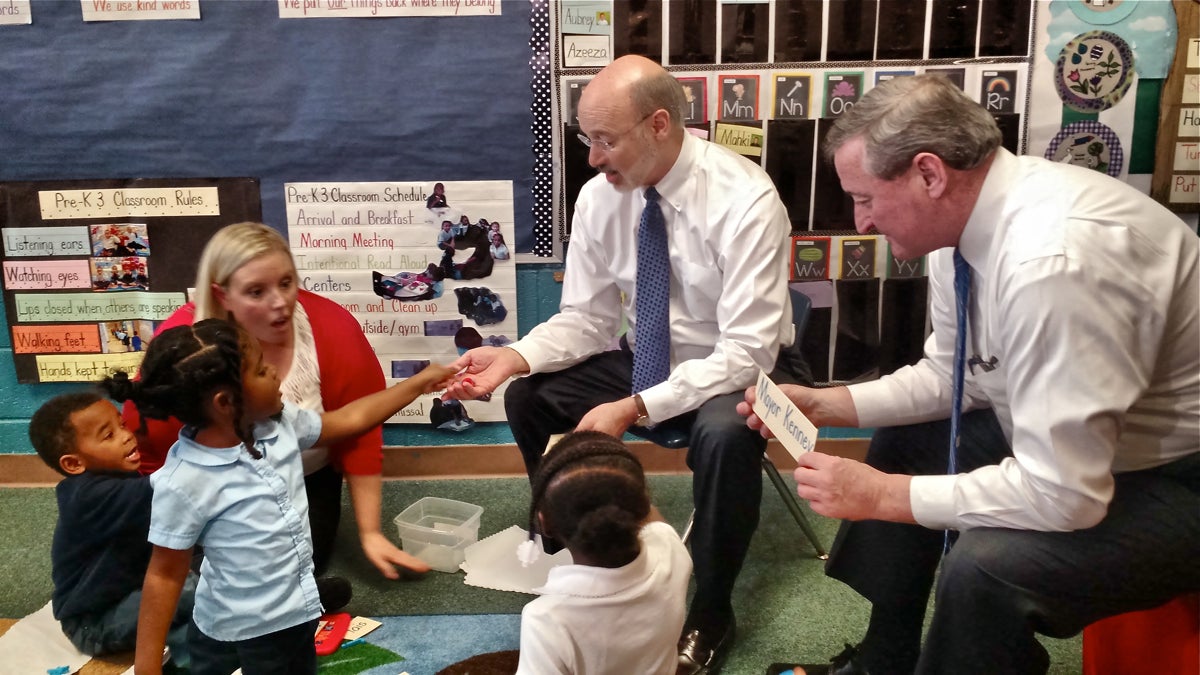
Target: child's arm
x=160 y=594
x=372 y=410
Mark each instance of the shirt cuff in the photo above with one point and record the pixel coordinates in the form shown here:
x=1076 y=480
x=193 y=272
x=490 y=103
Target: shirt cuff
x=932 y=501
x=872 y=402
x=660 y=401
x=529 y=353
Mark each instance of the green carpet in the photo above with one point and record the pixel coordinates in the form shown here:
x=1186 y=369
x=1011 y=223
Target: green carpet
x=787 y=610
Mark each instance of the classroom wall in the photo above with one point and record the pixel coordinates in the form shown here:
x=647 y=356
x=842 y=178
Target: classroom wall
x=242 y=92
x=536 y=286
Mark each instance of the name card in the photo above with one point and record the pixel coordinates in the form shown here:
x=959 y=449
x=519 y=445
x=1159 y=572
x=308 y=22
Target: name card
x=797 y=434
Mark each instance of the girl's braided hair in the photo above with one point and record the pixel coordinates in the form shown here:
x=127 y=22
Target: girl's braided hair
x=591 y=492
x=184 y=366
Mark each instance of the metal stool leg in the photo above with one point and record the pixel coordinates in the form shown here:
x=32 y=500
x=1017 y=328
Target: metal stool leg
x=793 y=505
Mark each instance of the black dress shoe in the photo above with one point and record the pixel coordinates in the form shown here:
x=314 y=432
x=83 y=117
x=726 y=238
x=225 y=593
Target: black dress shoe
x=702 y=653
x=335 y=593
x=845 y=663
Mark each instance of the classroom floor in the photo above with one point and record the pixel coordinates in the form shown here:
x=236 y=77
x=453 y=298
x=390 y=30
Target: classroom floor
x=787 y=609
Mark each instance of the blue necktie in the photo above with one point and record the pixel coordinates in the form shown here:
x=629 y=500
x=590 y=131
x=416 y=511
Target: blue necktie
x=962 y=295
x=652 y=295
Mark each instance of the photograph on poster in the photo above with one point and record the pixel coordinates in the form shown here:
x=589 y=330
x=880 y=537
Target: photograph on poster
x=126 y=336
x=119 y=274
x=408 y=367
x=443 y=327
x=119 y=239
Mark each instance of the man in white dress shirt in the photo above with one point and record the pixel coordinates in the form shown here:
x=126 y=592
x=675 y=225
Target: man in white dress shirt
x=1078 y=487
x=730 y=316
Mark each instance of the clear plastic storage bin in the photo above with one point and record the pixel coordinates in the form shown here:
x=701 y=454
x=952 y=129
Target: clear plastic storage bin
x=439 y=530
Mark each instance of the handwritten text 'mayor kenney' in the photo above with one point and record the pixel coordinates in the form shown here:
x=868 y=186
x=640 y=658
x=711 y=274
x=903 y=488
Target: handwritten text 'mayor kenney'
x=789 y=424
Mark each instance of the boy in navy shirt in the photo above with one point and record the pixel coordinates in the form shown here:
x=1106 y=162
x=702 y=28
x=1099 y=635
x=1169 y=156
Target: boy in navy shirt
x=100 y=552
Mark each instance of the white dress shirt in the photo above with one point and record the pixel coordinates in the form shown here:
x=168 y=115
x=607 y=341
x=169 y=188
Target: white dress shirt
x=1087 y=294
x=730 y=314
x=604 y=621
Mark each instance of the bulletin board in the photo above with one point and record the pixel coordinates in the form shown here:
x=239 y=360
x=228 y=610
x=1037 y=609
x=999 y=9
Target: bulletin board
x=244 y=92
x=91 y=267
x=267 y=96
x=767 y=79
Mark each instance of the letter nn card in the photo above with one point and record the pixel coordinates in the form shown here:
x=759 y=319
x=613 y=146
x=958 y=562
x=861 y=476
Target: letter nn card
x=797 y=434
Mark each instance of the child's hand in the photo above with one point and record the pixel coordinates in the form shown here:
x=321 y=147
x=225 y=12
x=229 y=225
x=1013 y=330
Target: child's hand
x=434 y=377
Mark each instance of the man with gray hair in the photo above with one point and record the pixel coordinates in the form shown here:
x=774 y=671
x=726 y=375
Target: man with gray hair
x=1073 y=485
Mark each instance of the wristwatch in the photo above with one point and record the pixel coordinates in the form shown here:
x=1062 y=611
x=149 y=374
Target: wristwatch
x=643 y=418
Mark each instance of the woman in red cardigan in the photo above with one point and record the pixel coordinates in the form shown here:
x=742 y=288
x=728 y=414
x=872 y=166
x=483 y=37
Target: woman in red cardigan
x=247 y=274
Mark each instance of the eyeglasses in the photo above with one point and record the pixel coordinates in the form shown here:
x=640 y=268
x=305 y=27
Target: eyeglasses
x=607 y=146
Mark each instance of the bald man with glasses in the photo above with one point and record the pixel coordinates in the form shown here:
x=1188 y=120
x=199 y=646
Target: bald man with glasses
x=723 y=234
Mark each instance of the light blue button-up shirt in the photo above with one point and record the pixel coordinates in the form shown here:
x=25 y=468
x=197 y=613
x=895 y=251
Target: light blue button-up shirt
x=251 y=517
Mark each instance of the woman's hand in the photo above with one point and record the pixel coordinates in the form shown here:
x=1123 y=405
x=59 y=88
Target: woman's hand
x=384 y=555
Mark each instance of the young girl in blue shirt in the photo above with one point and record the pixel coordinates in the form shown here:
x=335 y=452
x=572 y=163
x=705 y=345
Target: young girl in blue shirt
x=234 y=484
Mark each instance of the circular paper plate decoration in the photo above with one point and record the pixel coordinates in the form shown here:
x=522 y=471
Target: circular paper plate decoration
x=1094 y=71
x=1103 y=13
x=1088 y=144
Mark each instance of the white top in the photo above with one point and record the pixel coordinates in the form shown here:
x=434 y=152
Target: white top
x=727 y=236
x=605 y=621
x=1087 y=294
x=302 y=386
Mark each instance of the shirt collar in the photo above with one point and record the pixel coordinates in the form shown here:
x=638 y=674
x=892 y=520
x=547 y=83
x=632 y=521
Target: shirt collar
x=976 y=237
x=194 y=453
x=585 y=581
x=672 y=185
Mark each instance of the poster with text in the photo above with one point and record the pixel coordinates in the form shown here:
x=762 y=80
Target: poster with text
x=91 y=267
x=424 y=267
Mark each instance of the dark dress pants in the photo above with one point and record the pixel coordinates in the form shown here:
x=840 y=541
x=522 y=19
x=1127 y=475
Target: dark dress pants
x=999 y=587
x=324 y=490
x=289 y=651
x=723 y=453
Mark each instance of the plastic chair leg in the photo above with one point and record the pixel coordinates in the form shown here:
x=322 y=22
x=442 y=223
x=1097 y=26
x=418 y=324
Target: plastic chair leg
x=793 y=506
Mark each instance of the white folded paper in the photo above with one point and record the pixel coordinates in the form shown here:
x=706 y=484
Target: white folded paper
x=36 y=644
x=493 y=563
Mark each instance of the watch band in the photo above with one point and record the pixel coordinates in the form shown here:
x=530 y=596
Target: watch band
x=643 y=415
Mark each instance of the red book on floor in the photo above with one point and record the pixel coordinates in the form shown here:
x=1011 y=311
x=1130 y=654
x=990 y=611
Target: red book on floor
x=330 y=631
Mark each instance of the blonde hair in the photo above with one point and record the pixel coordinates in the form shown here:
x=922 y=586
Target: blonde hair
x=229 y=249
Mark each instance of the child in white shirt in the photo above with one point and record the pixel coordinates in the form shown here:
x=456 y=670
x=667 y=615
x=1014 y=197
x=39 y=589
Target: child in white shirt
x=620 y=607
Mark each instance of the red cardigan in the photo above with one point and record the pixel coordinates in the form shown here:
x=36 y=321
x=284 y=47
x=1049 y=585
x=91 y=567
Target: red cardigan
x=349 y=370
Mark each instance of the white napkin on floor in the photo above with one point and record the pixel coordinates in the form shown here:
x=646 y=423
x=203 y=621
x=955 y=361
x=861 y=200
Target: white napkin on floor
x=36 y=644
x=493 y=563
